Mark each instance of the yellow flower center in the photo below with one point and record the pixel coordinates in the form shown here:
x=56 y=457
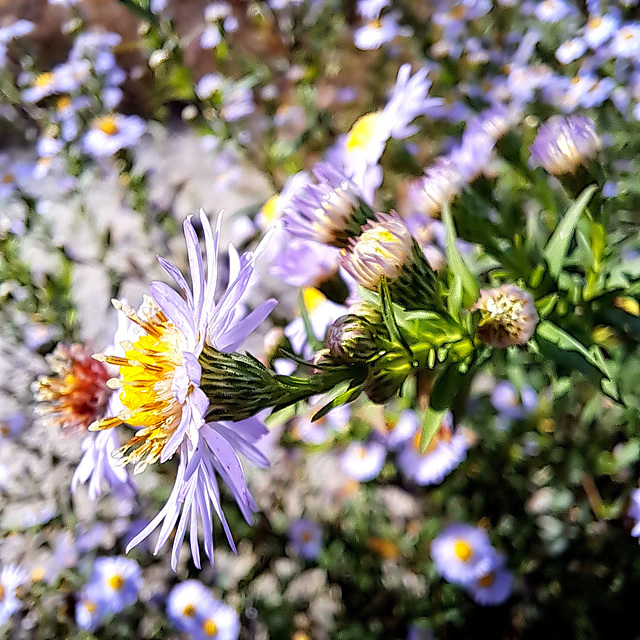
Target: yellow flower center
x=90 y=606
x=595 y=22
x=375 y=24
x=1 y=592
x=107 y=125
x=37 y=574
x=44 y=79
x=189 y=611
x=147 y=371
x=312 y=299
x=271 y=209
x=362 y=132
x=210 y=627
x=4 y=430
x=462 y=550
x=486 y=581
x=116 y=582
x=63 y=103
x=362 y=453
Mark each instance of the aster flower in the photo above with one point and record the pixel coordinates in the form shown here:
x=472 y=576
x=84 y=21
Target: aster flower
x=396 y=429
x=329 y=211
x=160 y=378
x=600 y=28
x=506 y=399
x=494 y=587
x=463 y=554
x=111 y=133
x=571 y=50
x=11 y=578
x=447 y=449
x=375 y=33
x=118 y=581
x=77 y=394
x=90 y=609
x=193 y=610
x=552 y=10
x=564 y=144
x=363 y=461
x=306 y=538
x=508 y=316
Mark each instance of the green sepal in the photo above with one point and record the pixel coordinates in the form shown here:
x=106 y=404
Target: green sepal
x=352 y=393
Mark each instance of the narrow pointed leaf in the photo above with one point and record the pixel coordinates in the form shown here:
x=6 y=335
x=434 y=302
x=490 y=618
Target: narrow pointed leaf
x=455 y=260
x=556 y=250
x=430 y=425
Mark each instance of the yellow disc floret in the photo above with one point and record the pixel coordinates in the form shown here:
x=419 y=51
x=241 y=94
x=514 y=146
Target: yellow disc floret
x=146 y=375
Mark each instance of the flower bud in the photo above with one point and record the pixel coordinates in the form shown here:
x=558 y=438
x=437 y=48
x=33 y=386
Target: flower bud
x=508 y=316
x=386 y=248
x=351 y=339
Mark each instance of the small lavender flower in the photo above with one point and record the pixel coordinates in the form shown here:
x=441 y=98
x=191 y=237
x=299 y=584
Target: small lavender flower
x=306 y=538
x=12 y=577
x=463 y=554
x=515 y=405
x=378 y=32
x=11 y=426
x=119 y=580
x=508 y=316
x=370 y=9
x=599 y=29
x=398 y=429
x=109 y=134
x=90 y=608
x=329 y=211
x=193 y=610
x=441 y=183
x=564 y=144
x=571 y=50
x=494 y=587
x=445 y=452
x=363 y=461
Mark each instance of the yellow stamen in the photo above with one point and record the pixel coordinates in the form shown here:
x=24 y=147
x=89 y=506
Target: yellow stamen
x=462 y=550
x=362 y=132
x=189 y=611
x=486 y=581
x=107 y=124
x=210 y=627
x=312 y=299
x=146 y=376
x=116 y=582
x=44 y=79
x=63 y=103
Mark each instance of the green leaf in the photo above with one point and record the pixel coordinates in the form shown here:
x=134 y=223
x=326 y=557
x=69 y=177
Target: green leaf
x=389 y=316
x=430 y=425
x=454 y=302
x=456 y=263
x=552 y=333
x=556 y=250
x=311 y=337
x=349 y=395
x=446 y=388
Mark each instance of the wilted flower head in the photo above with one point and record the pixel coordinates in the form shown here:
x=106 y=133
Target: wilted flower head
x=508 y=316
x=564 y=144
x=330 y=211
x=462 y=553
x=77 y=394
x=306 y=537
